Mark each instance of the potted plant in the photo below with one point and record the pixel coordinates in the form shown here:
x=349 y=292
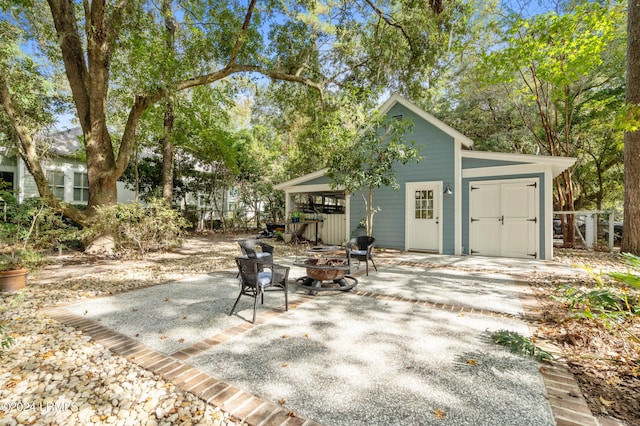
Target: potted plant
x=16 y=257
x=15 y=266
x=295 y=216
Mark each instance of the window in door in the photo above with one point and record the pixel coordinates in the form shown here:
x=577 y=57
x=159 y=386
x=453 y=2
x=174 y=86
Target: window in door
x=424 y=204
x=56 y=182
x=80 y=187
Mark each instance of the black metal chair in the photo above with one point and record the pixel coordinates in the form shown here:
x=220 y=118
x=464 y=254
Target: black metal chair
x=361 y=249
x=256 y=278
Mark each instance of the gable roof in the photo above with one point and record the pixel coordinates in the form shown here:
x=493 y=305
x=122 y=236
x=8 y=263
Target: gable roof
x=301 y=179
x=558 y=164
x=67 y=142
x=397 y=99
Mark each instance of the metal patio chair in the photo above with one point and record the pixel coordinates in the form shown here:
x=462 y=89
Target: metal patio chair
x=250 y=251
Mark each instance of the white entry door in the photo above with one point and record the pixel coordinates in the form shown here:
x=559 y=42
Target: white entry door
x=504 y=218
x=423 y=224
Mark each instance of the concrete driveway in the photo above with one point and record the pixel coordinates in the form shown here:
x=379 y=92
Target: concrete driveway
x=410 y=346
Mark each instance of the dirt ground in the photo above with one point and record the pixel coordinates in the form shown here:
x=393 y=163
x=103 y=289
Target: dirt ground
x=604 y=355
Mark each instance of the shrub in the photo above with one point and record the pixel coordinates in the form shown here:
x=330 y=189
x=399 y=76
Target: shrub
x=32 y=224
x=139 y=227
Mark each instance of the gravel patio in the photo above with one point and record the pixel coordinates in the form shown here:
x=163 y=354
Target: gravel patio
x=410 y=345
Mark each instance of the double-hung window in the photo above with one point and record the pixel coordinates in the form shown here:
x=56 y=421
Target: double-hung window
x=56 y=182
x=80 y=187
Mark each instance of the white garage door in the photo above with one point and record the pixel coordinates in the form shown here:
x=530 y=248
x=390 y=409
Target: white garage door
x=504 y=218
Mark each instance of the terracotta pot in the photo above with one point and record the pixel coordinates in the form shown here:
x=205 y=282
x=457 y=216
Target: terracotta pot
x=13 y=280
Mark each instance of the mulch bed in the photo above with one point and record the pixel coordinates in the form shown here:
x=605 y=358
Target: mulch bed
x=603 y=354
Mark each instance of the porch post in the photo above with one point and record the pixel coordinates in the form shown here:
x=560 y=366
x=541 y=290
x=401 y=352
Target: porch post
x=347 y=215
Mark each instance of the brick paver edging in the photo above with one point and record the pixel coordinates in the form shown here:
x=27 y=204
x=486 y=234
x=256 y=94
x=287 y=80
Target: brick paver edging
x=241 y=405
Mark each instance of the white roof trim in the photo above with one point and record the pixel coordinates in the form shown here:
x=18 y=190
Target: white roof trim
x=558 y=164
x=395 y=98
x=301 y=179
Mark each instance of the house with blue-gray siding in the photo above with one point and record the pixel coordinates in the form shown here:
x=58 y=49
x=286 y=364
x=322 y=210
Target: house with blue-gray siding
x=455 y=201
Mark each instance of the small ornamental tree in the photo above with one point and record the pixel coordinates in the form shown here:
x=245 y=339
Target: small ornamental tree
x=368 y=162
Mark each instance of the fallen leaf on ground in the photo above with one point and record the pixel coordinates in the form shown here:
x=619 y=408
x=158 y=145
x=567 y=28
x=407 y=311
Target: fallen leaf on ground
x=439 y=413
x=605 y=402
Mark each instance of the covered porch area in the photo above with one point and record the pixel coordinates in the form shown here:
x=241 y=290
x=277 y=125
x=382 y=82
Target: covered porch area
x=324 y=211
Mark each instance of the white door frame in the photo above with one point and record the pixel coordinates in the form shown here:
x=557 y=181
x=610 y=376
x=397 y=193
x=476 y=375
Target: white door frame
x=409 y=208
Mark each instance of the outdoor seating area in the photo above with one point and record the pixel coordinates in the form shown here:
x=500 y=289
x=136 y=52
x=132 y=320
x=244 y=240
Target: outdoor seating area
x=312 y=355
x=415 y=317
x=327 y=267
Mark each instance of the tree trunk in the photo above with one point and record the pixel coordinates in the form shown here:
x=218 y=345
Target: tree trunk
x=167 y=143
x=167 y=154
x=370 y=212
x=631 y=230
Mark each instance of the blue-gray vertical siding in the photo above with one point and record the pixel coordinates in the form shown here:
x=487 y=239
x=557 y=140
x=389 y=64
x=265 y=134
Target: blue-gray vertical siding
x=437 y=150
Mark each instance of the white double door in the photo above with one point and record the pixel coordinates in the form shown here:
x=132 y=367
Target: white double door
x=423 y=221
x=504 y=218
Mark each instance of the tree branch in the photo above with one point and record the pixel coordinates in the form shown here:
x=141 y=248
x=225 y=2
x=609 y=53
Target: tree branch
x=235 y=69
x=243 y=34
x=143 y=102
x=388 y=19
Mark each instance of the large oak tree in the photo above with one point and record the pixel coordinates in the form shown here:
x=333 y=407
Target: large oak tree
x=117 y=46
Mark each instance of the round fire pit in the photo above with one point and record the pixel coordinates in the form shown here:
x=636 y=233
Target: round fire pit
x=326 y=268
x=326 y=273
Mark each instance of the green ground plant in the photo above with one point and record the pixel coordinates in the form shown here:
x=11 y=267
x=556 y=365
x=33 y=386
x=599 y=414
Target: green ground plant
x=607 y=302
x=5 y=338
x=520 y=344
x=629 y=278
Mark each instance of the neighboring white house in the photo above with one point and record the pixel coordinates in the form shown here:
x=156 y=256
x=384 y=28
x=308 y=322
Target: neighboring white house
x=66 y=173
x=67 y=176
